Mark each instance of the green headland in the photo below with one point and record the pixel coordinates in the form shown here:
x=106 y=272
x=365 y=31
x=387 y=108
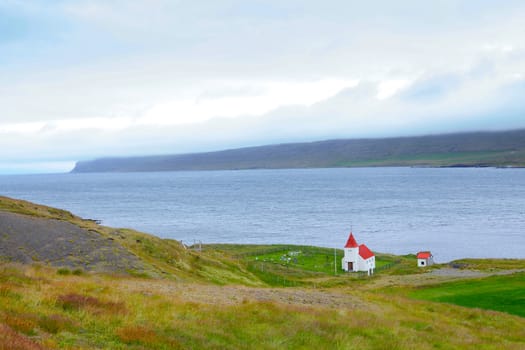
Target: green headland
x=470 y=149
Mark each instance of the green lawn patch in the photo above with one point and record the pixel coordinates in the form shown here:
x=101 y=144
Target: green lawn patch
x=500 y=293
x=306 y=258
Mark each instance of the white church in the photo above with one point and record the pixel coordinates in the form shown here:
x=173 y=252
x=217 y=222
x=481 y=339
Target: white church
x=358 y=257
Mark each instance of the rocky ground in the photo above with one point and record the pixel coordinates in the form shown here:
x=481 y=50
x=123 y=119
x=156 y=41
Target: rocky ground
x=59 y=243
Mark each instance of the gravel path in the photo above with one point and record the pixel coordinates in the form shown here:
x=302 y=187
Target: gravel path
x=231 y=295
x=450 y=272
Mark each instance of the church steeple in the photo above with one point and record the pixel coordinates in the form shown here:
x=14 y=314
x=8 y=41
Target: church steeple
x=351 y=243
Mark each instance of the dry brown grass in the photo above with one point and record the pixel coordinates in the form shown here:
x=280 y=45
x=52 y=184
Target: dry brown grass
x=56 y=323
x=73 y=301
x=11 y=340
x=136 y=334
x=24 y=323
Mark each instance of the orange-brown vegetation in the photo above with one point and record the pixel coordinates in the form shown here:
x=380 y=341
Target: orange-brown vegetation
x=11 y=340
x=73 y=301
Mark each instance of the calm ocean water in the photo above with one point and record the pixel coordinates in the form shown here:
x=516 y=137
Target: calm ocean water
x=452 y=212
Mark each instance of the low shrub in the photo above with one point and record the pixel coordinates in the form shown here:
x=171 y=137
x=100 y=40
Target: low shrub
x=63 y=272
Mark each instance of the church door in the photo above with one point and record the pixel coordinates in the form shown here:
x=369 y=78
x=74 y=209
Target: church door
x=350 y=266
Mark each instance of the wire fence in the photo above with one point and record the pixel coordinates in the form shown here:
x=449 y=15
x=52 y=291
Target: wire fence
x=293 y=265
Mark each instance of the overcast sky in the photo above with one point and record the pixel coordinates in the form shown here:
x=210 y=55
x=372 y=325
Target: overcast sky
x=85 y=79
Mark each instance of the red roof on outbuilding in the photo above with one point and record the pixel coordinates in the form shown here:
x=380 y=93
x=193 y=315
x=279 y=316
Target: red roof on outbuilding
x=351 y=243
x=423 y=255
x=364 y=252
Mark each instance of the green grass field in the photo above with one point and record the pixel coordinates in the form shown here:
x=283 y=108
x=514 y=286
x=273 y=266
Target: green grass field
x=315 y=259
x=292 y=265
x=499 y=293
x=309 y=258
x=306 y=258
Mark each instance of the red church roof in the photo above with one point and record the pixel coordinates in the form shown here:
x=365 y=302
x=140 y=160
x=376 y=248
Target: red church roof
x=364 y=252
x=351 y=243
x=424 y=255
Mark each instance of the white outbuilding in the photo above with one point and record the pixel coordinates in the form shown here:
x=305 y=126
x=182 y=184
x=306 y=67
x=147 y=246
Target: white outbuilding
x=358 y=257
x=425 y=259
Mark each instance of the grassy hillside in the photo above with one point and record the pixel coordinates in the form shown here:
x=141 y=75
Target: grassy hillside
x=251 y=297
x=506 y=148
x=75 y=239
x=40 y=308
x=501 y=293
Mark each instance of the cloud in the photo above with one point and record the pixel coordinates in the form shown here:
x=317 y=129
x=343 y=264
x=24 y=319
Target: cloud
x=436 y=87
x=352 y=112
x=89 y=78
x=390 y=87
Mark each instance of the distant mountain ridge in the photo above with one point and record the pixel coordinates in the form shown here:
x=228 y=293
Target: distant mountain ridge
x=469 y=149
